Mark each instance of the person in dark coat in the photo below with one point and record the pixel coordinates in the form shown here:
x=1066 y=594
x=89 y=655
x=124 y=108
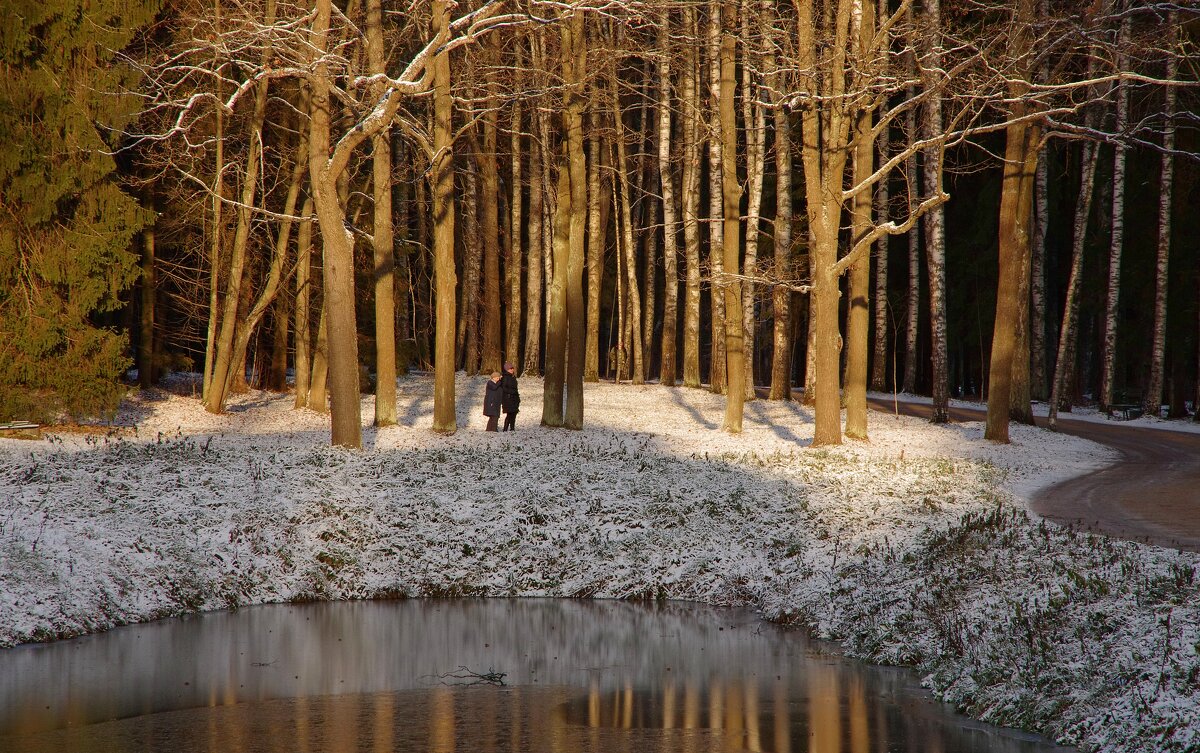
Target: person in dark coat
x=492 y=399
x=511 y=401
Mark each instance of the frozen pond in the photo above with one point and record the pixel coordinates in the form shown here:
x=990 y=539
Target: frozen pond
x=578 y=676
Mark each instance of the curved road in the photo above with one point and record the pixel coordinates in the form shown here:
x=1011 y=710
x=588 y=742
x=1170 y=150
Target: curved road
x=1152 y=494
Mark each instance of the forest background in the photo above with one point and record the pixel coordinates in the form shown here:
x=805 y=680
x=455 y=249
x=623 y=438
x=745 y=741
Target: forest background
x=980 y=198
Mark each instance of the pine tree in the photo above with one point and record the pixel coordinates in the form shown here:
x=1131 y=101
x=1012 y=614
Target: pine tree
x=66 y=227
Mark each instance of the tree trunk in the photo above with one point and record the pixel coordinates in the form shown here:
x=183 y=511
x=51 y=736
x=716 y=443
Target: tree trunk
x=574 y=62
x=535 y=266
x=716 y=252
x=301 y=325
x=731 y=191
x=469 y=334
x=512 y=346
x=218 y=230
x=1064 y=364
x=145 y=359
x=382 y=237
x=912 y=320
x=667 y=370
x=691 y=204
x=935 y=234
x=441 y=178
x=1016 y=201
x=781 y=295
x=281 y=313
x=630 y=261
x=556 y=305
x=491 y=359
x=861 y=224
x=755 y=118
x=318 y=395
x=1113 y=300
x=1152 y=403
x=594 y=248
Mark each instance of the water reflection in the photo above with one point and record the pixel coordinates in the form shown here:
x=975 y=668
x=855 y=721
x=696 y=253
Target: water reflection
x=581 y=676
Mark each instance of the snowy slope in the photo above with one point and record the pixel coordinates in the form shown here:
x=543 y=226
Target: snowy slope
x=913 y=548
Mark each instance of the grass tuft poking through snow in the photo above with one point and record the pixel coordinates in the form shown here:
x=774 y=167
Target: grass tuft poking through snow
x=910 y=549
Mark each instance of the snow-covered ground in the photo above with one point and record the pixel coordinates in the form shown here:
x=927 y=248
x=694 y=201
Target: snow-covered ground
x=912 y=548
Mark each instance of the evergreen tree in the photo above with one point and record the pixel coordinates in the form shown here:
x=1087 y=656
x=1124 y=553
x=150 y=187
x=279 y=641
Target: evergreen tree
x=66 y=228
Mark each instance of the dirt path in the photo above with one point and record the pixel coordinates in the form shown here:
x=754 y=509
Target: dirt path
x=1152 y=494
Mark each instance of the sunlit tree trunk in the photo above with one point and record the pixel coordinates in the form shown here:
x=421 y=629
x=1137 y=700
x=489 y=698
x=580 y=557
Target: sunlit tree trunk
x=382 y=237
x=441 y=179
x=716 y=252
x=1116 y=249
x=1154 y=390
x=691 y=203
x=534 y=267
x=731 y=191
x=912 y=303
x=754 y=115
x=512 y=346
x=217 y=230
x=1064 y=364
x=338 y=256
x=468 y=328
x=318 y=394
x=1016 y=204
x=666 y=176
x=300 y=323
x=638 y=371
x=595 y=247
x=781 y=295
x=935 y=233
x=861 y=224
x=574 y=61
x=556 y=304
x=491 y=359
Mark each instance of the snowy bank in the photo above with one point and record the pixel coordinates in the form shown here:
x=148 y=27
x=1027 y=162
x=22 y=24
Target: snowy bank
x=913 y=548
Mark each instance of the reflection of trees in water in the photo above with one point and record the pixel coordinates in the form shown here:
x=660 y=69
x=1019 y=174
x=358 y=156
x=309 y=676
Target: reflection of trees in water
x=583 y=677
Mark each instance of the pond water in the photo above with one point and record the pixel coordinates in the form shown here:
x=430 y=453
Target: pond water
x=423 y=675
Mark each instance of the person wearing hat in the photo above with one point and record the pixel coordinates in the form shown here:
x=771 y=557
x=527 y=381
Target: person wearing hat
x=511 y=400
x=491 y=401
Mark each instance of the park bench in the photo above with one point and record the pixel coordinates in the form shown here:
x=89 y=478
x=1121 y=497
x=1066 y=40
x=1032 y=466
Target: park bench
x=1124 y=411
x=20 y=430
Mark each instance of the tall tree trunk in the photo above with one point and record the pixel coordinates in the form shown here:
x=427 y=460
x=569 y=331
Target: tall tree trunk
x=491 y=358
x=574 y=61
x=382 y=236
x=441 y=179
x=338 y=246
x=280 y=316
x=648 y=218
x=218 y=231
x=691 y=203
x=1064 y=364
x=468 y=329
x=935 y=234
x=1038 y=387
x=781 y=295
x=731 y=191
x=912 y=304
x=667 y=370
x=318 y=394
x=883 y=212
x=1113 y=300
x=597 y=227
x=225 y=365
x=535 y=266
x=861 y=224
x=754 y=115
x=630 y=261
x=1016 y=203
x=145 y=359
x=512 y=348
x=556 y=304
x=1154 y=389
x=716 y=252
x=301 y=324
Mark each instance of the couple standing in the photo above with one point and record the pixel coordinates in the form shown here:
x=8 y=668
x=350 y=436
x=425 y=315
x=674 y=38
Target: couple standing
x=502 y=392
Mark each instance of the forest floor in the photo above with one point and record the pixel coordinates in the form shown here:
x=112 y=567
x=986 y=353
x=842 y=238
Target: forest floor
x=915 y=548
